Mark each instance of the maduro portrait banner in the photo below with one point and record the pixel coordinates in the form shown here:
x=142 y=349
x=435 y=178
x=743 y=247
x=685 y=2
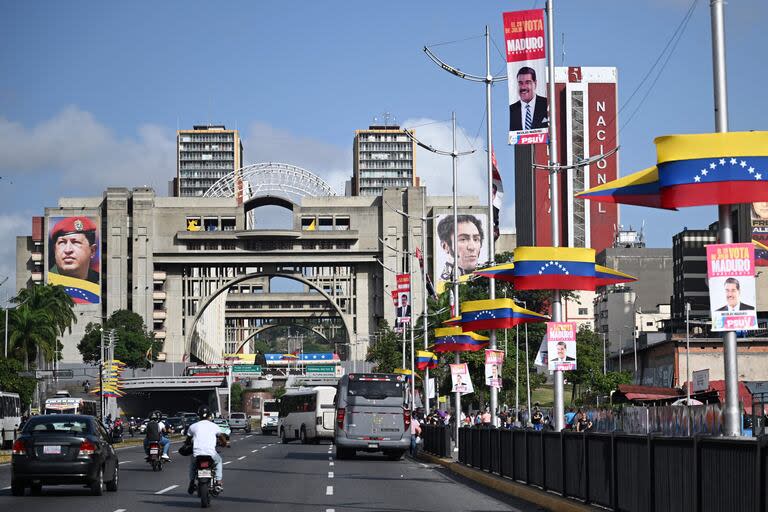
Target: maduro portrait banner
x=760 y=232
x=561 y=345
x=460 y=379
x=527 y=76
x=732 y=298
x=494 y=360
x=74 y=257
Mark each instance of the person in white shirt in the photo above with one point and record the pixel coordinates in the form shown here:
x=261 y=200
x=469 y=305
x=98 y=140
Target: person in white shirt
x=205 y=435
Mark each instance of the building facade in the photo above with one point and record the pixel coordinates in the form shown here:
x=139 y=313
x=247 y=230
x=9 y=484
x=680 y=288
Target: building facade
x=199 y=275
x=383 y=157
x=586 y=99
x=205 y=154
x=690 y=284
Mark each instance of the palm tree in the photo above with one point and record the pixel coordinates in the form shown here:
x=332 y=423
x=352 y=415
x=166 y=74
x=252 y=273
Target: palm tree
x=52 y=299
x=31 y=331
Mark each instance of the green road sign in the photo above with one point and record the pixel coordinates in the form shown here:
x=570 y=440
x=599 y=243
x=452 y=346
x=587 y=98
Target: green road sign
x=247 y=368
x=321 y=369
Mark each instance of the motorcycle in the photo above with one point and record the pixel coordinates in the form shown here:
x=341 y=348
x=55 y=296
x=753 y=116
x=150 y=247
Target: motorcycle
x=117 y=433
x=205 y=481
x=154 y=458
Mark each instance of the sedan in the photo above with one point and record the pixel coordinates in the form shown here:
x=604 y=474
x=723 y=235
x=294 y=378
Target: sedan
x=58 y=449
x=224 y=427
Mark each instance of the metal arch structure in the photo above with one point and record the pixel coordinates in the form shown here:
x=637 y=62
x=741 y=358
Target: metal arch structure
x=272 y=179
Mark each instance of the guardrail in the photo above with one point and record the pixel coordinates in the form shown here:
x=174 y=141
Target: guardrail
x=437 y=440
x=625 y=472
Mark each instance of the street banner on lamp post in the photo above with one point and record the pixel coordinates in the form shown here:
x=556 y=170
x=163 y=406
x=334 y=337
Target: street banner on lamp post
x=732 y=299
x=527 y=76
x=494 y=359
x=561 y=345
x=460 y=379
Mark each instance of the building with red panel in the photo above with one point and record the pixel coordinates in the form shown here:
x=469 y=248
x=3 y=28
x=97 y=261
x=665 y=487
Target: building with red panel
x=587 y=125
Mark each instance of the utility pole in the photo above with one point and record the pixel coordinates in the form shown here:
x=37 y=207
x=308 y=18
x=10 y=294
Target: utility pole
x=730 y=360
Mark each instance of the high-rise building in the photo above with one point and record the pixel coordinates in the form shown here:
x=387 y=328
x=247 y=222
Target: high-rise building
x=203 y=155
x=587 y=115
x=689 y=253
x=384 y=157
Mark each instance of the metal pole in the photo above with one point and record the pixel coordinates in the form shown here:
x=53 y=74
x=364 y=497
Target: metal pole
x=528 y=374
x=605 y=362
x=424 y=289
x=688 y=364
x=411 y=324
x=491 y=242
x=456 y=301
x=6 y=331
x=101 y=376
x=517 y=373
x=730 y=360
x=554 y=201
x=402 y=326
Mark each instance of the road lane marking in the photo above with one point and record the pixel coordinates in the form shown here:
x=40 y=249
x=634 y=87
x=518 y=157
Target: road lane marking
x=248 y=437
x=120 y=510
x=228 y=462
x=254 y=451
x=330 y=463
x=330 y=510
x=330 y=474
x=163 y=491
x=330 y=458
x=241 y=458
x=125 y=461
x=329 y=490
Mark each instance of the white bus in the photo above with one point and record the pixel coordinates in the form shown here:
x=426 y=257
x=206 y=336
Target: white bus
x=307 y=414
x=10 y=417
x=61 y=405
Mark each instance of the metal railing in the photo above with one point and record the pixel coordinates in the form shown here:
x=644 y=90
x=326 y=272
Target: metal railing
x=437 y=439
x=627 y=472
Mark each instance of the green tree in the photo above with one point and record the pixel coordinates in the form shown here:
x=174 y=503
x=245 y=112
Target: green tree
x=237 y=397
x=31 y=332
x=386 y=353
x=588 y=378
x=52 y=299
x=12 y=382
x=134 y=345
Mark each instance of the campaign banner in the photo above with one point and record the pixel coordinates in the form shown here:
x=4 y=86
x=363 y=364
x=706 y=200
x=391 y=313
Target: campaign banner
x=460 y=379
x=403 y=282
x=494 y=360
x=732 y=298
x=561 y=345
x=760 y=231
x=527 y=76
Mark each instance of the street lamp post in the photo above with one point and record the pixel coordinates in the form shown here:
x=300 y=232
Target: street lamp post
x=605 y=362
x=688 y=364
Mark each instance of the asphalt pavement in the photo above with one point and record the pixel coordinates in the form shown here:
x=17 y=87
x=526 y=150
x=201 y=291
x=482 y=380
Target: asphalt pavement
x=261 y=474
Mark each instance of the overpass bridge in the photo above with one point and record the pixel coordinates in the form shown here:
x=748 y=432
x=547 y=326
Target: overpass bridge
x=172 y=394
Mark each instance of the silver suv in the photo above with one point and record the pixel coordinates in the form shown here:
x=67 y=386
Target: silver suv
x=240 y=421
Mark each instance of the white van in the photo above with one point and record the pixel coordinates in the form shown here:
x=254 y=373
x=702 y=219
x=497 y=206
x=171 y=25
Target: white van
x=307 y=415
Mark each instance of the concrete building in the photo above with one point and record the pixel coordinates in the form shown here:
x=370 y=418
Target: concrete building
x=200 y=276
x=652 y=267
x=383 y=157
x=205 y=154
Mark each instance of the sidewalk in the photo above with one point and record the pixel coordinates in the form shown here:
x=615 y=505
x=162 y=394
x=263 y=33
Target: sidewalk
x=528 y=493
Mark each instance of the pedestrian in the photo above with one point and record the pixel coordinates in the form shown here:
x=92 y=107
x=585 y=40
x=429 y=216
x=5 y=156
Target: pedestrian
x=582 y=422
x=415 y=434
x=86 y=386
x=485 y=419
x=537 y=417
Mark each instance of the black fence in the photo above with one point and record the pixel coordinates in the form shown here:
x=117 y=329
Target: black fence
x=437 y=440
x=627 y=472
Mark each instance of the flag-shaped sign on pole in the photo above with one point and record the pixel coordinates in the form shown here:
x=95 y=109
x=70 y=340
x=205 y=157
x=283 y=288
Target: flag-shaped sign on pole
x=498 y=194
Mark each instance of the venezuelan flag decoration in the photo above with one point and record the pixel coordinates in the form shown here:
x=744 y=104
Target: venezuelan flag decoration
x=405 y=371
x=555 y=268
x=478 y=315
x=453 y=339
x=425 y=360
x=81 y=291
x=695 y=170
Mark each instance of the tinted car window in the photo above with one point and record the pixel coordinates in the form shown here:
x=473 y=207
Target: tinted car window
x=375 y=389
x=59 y=426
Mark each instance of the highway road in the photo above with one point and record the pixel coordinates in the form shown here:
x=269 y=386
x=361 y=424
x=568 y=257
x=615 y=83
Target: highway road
x=261 y=474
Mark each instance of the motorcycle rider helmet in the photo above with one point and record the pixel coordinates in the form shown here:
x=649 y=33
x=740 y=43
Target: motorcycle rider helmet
x=154 y=416
x=204 y=413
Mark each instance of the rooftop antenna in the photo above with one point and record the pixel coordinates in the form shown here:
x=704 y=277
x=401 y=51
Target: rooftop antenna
x=562 y=47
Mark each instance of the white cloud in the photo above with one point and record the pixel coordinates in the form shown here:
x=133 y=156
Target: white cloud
x=81 y=151
x=436 y=170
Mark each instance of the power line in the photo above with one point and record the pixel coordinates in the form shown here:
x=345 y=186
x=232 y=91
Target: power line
x=455 y=41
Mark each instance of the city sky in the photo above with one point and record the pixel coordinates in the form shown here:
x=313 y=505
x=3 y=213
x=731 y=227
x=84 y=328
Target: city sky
x=91 y=93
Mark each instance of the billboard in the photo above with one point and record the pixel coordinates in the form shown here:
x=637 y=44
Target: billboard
x=494 y=360
x=527 y=76
x=732 y=299
x=74 y=257
x=760 y=231
x=460 y=379
x=561 y=345
x=473 y=237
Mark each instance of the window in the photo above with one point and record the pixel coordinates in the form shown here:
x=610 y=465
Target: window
x=649 y=324
x=583 y=311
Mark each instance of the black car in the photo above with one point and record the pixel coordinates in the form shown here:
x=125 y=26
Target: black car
x=60 y=449
x=174 y=425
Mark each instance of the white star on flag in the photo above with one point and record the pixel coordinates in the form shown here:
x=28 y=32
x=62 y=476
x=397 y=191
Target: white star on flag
x=722 y=161
x=697 y=179
x=743 y=164
x=733 y=161
x=712 y=165
x=751 y=170
x=758 y=176
x=704 y=172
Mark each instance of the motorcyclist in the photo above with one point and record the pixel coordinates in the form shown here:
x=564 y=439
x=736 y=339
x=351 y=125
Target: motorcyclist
x=156 y=433
x=205 y=436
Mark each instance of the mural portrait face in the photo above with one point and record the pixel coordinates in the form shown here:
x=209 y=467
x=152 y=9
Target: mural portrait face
x=73 y=254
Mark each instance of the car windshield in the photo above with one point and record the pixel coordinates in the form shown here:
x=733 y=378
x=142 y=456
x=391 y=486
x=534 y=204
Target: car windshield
x=35 y=427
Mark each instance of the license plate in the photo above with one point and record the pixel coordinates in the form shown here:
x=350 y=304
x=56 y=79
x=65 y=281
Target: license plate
x=154 y=451
x=52 y=450
x=203 y=473
x=373 y=445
